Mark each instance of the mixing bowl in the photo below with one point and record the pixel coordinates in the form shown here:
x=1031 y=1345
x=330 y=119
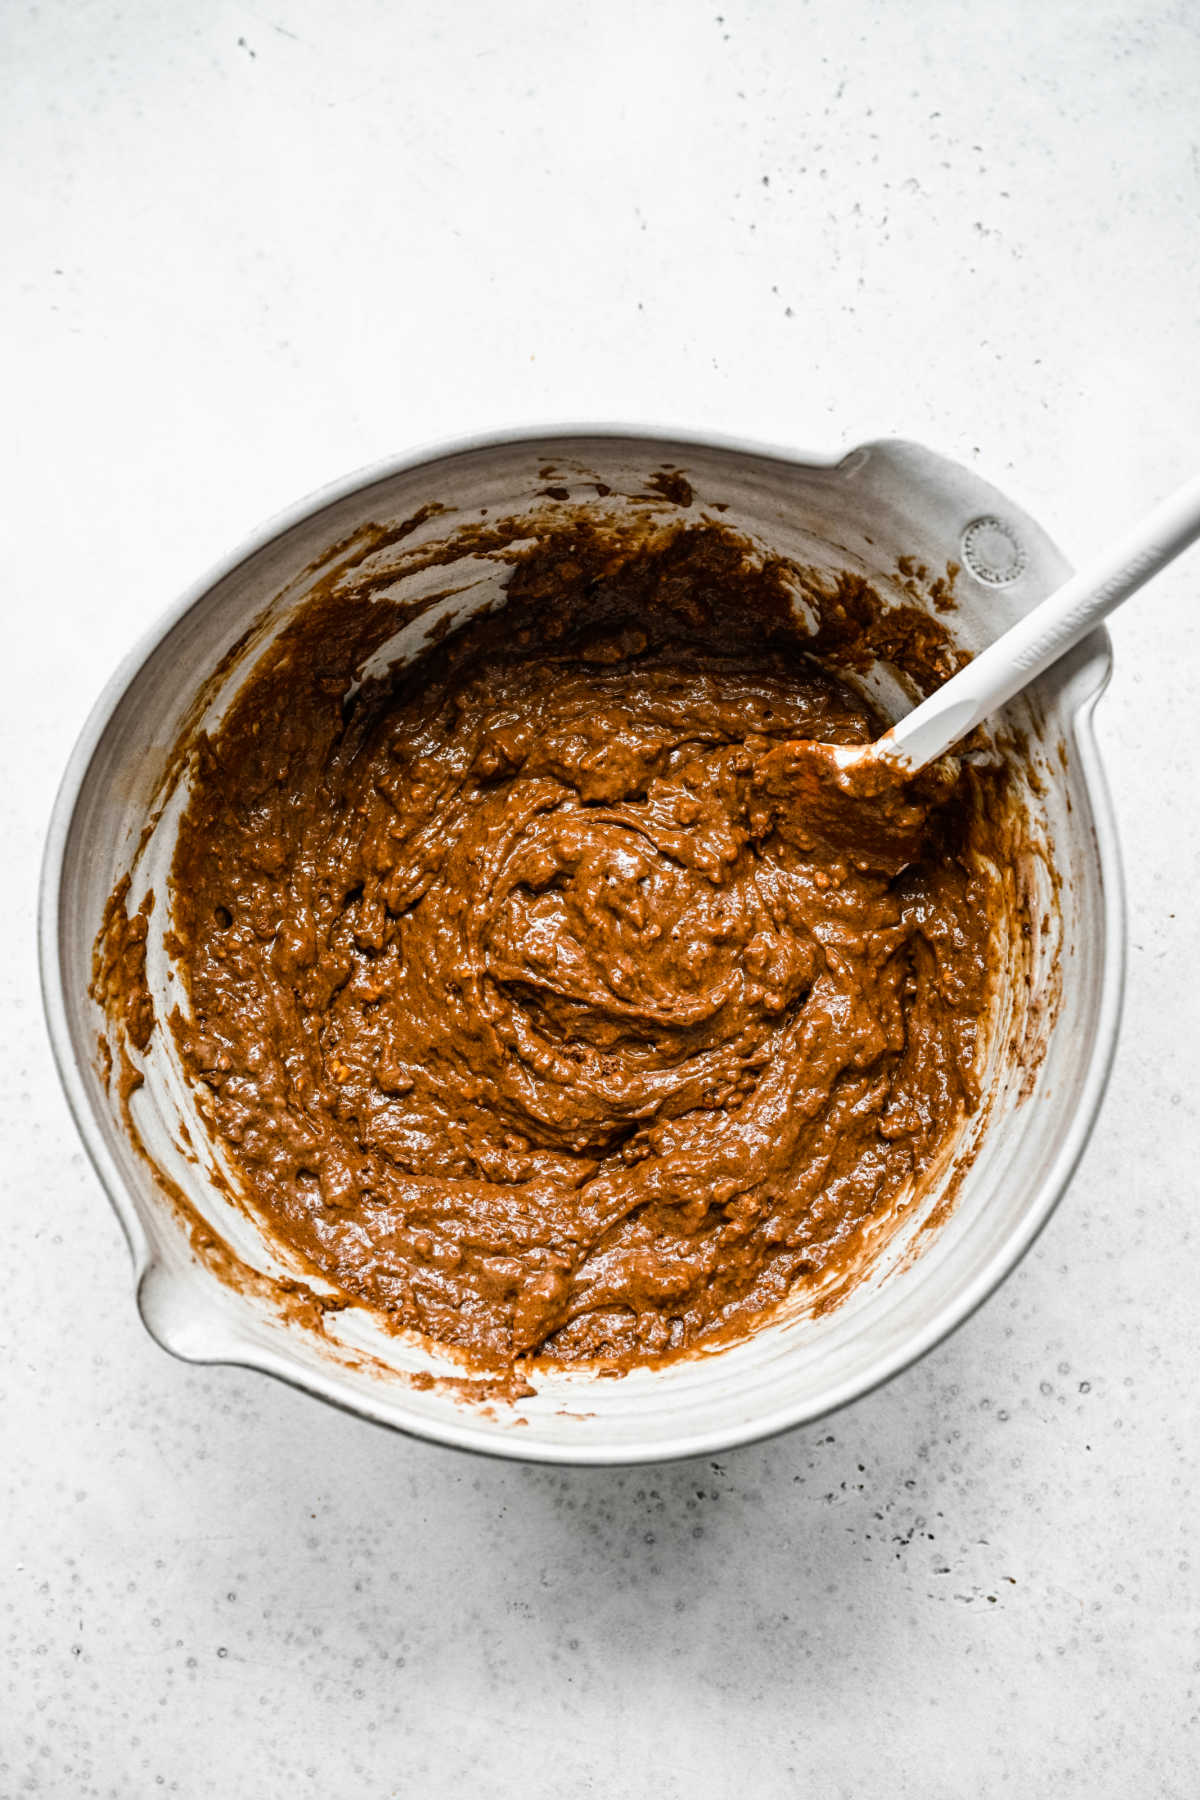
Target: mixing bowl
x=211 y=1290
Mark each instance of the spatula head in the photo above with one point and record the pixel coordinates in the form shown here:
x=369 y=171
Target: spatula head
x=850 y=801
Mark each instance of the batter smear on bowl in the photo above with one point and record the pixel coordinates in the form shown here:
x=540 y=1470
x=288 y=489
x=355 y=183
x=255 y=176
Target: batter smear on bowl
x=528 y=1003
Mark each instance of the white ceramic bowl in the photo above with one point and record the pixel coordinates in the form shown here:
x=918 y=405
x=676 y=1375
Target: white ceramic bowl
x=864 y=509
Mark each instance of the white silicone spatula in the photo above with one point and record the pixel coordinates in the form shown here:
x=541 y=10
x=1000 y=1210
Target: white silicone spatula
x=1028 y=648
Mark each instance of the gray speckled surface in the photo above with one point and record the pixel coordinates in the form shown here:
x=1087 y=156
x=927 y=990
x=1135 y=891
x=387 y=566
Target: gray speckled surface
x=258 y=248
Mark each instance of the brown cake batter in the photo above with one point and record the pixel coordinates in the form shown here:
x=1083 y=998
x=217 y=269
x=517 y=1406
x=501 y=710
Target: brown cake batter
x=531 y=1000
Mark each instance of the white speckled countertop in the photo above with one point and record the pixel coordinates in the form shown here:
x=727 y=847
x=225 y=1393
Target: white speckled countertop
x=251 y=249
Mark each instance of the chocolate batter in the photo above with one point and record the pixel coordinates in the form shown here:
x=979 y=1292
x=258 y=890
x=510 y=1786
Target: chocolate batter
x=529 y=998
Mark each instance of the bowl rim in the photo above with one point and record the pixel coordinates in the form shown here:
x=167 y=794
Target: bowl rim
x=467 y=1436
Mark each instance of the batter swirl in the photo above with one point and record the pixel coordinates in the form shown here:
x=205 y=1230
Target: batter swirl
x=523 y=1003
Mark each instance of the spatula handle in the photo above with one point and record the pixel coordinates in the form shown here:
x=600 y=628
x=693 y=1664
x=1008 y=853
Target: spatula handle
x=1046 y=633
